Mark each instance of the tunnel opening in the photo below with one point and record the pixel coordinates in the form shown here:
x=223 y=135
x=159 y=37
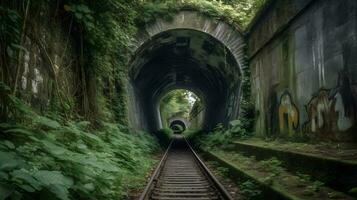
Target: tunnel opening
x=175 y=106
x=185 y=59
x=178 y=126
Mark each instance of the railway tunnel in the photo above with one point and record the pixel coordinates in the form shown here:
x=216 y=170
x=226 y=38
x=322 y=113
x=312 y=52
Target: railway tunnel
x=83 y=84
x=178 y=126
x=193 y=53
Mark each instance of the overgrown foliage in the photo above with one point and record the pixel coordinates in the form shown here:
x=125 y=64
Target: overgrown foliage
x=80 y=147
x=42 y=158
x=177 y=103
x=220 y=136
x=235 y=12
x=164 y=136
x=103 y=31
x=250 y=191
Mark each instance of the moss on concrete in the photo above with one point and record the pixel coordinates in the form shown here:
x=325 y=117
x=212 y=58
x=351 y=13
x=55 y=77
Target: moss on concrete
x=275 y=181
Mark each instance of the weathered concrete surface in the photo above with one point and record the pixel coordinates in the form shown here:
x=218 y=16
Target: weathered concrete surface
x=230 y=36
x=304 y=69
x=190 y=52
x=47 y=62
x=306 y=163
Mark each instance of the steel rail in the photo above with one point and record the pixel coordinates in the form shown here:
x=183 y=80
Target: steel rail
x=155 y=181
x=156 y=174
x=209 y=174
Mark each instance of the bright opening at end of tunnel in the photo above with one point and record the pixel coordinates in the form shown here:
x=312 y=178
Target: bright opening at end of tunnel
x=185 y=59
x=177 y=109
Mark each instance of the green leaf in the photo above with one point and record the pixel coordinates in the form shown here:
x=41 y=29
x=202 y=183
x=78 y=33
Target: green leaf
x=20 y=105
x=83 y=8
x=53 y=148
x=47 y=122
x=19 y=130
x=5 y=191
x=235 y=122
x=60 y=191
x=53 y=178
x=4 y=176
x=9 y=144
x=9 y=161
x=55 y=182
x=25 y=177
x=89 y=186
x=78 y=15
x=27 y=188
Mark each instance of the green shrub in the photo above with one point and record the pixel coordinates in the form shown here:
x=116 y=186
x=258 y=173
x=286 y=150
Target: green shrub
x=250 y=191
x=164 y=136
x=42 y=158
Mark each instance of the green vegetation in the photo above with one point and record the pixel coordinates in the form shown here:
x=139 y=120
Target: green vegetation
x=42 y=158
x=177 y=103
x=78 y=146
x=273 y=167
x=236 y=12
x=263 y=174
x=221 y=137
x=177 y=128
x=164 y=136
x=250 y=191
x=103 y=31
x=353 y=192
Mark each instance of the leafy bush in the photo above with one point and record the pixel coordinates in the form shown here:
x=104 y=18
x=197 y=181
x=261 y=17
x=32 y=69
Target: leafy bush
x=250 y=191
x=164 y=136
x=219 y=136
x=234 y=12
x=48 y=159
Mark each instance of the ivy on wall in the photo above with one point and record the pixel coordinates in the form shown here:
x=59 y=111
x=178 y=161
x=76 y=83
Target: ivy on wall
x=103 y=32
x=235 y=12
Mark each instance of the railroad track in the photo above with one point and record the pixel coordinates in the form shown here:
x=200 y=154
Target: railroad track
x=181 y=175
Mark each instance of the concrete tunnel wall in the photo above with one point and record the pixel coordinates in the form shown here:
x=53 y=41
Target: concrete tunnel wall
x=302 y=63
x=190 y=52
x=304 y=69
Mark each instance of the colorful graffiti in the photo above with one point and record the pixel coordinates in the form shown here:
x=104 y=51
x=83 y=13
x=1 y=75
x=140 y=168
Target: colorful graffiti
x=318 y=110
x=332 y=111
x=288 y=115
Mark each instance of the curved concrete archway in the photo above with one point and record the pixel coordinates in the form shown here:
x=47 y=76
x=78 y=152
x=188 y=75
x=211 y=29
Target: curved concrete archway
x=229 y=36
x=190 y=52
x=178 y=120
x=179 y=123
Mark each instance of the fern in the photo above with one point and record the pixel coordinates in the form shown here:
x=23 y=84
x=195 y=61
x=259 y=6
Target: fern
x=49 y=159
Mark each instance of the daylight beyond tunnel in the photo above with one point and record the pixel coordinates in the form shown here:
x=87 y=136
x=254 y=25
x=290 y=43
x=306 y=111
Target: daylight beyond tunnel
x=185 y=59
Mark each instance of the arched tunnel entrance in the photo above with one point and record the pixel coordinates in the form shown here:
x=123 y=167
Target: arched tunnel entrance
x=186 y=59
x=178 y=126
x=192 y=59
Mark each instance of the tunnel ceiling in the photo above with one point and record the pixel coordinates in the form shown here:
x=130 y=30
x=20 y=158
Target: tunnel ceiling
x=184 y=59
